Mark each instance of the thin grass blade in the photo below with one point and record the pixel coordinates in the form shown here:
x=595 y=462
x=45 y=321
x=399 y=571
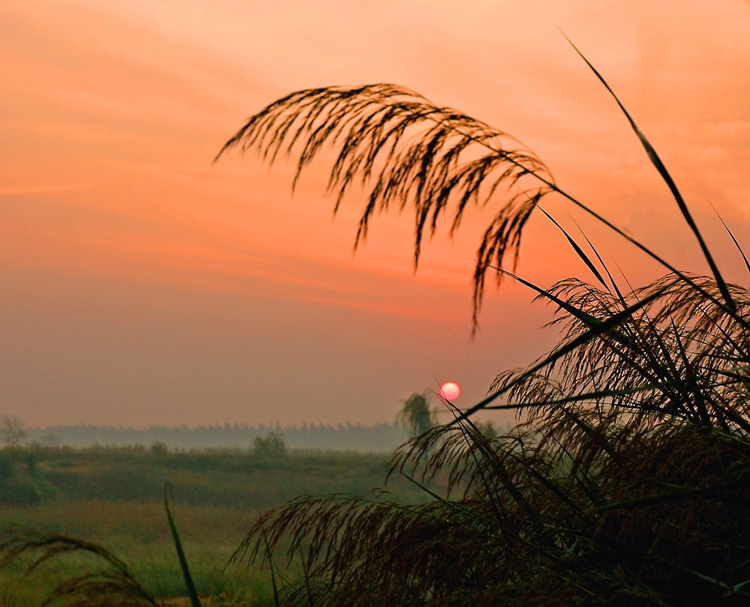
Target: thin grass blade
x=659 y=165
x=192 y=593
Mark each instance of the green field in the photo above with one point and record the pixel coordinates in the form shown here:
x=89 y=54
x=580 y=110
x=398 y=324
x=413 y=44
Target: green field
x=115 y=497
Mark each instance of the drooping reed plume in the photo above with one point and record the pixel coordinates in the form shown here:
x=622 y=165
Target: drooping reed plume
x=103 y=579
x=410 y=153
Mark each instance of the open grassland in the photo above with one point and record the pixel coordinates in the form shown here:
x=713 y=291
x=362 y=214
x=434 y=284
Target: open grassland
x=138 y=534
x=235 y=479
x=115 y=497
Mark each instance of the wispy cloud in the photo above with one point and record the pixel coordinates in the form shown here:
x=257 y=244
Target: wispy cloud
x=44 y=188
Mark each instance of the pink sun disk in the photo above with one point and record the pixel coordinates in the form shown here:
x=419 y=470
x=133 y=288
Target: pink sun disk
x=450 y=390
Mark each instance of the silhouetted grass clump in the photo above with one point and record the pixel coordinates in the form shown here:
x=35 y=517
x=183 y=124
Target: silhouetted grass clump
x=628 y=480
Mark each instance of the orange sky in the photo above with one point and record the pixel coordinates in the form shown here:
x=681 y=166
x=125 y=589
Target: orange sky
x=143 y=285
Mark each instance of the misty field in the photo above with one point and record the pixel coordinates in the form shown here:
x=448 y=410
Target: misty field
x=114 y=497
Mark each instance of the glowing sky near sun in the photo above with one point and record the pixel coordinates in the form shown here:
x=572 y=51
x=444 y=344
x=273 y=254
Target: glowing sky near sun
x=141 y=284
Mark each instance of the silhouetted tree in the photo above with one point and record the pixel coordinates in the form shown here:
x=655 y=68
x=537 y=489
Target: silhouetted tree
x=416 y=415
x=12 y=430
x=271 y=446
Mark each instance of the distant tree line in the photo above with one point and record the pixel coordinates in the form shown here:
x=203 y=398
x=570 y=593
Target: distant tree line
x=383 y=437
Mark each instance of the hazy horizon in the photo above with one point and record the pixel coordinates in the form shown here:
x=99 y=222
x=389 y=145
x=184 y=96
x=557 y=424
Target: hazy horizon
x=383 y=438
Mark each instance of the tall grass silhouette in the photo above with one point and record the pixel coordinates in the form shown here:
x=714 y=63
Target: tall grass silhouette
x=627 y=483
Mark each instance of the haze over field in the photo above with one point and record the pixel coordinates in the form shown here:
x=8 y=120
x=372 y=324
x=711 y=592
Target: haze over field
x=141 y=284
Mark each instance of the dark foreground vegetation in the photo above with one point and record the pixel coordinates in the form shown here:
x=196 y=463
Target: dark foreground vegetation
x=627 y=482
